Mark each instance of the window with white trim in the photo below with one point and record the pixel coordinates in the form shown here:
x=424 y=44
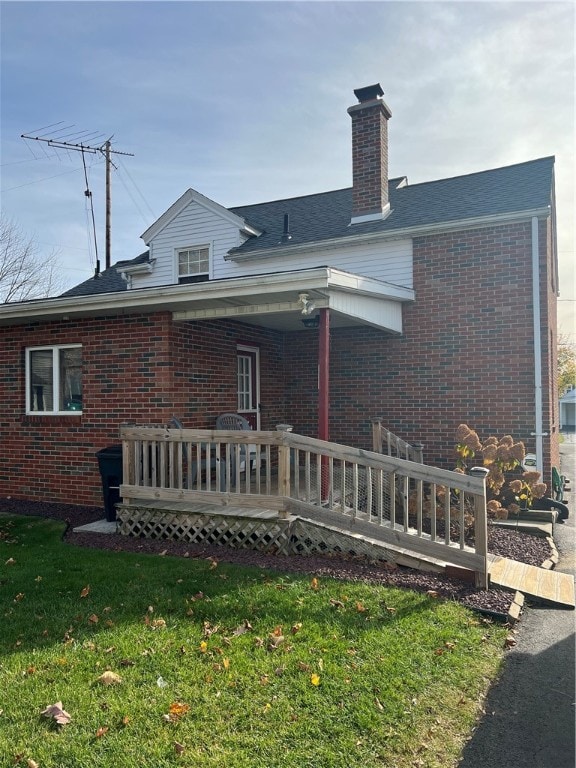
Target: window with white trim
x=193 y=264
x=54 y=379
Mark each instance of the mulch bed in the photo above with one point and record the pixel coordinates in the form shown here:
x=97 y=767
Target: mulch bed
x=526 y=548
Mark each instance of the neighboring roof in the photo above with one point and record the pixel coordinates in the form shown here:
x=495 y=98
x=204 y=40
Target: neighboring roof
x=326 y=216
x=109 y=281
x=569 y=397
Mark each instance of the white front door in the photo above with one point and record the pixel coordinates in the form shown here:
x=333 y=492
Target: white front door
x=248 y=376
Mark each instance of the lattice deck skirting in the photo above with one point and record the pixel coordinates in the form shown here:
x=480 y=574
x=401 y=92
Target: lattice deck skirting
x=277 y=536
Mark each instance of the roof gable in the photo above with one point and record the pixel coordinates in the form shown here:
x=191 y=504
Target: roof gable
x=192 y=196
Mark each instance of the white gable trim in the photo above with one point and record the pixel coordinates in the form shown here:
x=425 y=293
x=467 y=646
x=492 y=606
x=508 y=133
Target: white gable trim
x=192 y=196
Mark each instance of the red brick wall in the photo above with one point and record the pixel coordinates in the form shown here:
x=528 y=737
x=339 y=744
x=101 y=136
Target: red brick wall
x=466 y=354
x=136 y=369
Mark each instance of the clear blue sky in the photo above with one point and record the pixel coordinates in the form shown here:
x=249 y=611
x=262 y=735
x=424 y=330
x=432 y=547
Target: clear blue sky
x=246 y=101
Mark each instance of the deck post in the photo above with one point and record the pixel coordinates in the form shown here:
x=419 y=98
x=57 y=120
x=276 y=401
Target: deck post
x=481 y=529
x=377 y=435
x=283 y=473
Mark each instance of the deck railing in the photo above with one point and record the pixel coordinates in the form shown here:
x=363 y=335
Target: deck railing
x=429 y=511
x=385 y=441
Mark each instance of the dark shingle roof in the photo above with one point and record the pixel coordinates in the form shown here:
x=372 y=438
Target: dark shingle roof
x=326 y=216
x=313 y=218
x=108 y=281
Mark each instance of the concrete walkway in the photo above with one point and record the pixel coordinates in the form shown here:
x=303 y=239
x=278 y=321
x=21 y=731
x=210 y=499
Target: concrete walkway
x=530 y=712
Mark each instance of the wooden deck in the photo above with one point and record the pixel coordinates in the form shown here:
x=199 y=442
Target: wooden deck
x=324 y=496
x=539 y=584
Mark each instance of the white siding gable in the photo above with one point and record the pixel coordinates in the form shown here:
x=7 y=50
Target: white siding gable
x=194 y=225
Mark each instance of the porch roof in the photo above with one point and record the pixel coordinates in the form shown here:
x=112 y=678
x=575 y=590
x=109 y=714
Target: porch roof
x=272 y=301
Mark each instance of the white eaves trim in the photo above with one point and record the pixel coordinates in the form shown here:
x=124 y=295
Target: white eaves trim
x=238 y=255
x=192 y=196
x=175 y=298
x=137 y=269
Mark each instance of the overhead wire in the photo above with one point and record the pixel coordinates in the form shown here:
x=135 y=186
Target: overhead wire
x=126 y=171
x=88 y=194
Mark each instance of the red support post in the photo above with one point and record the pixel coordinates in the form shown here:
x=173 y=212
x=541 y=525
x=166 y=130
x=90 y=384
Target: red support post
x=323 y=392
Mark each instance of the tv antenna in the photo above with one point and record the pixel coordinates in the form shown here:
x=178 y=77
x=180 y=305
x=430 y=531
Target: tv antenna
x=104 y=149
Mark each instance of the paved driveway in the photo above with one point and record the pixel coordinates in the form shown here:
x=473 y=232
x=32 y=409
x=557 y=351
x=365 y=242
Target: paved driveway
x=530 y=712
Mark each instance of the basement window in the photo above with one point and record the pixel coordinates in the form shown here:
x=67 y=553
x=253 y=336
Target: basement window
x=193 y=264
x=54 y=380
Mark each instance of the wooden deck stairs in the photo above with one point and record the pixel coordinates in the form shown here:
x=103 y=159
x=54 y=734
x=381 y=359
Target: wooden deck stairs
x=539 y=584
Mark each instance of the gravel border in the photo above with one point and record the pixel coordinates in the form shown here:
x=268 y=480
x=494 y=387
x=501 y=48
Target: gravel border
x=496 y=603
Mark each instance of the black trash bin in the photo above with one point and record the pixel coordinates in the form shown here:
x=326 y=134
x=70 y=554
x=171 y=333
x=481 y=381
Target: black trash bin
x=110 y=465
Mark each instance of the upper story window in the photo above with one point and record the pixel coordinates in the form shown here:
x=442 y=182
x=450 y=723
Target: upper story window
x=193 y=264
x=54 y=379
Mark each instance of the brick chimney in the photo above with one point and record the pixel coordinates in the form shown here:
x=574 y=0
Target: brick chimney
x=369 y=155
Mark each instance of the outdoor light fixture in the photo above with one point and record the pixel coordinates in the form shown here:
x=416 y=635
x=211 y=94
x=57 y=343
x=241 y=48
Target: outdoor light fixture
x=311 y=322
x=307 y=306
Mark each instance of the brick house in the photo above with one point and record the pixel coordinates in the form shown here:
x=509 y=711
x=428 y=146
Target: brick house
x=429 y=304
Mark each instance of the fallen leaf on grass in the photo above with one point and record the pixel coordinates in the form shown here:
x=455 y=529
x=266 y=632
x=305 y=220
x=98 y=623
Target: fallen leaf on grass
x=296 y=628
x=315 y=679
x=93 y=619
x=109 y=678
x=19 y=597
x=243 y=628
x=510 y=642
x=157 y=624
x=336 y=603
x=10 y=561
x=360 y=608
x=102 y=731
x=85 y=592
x=432 y=593
x=31 y=763
x=179 y=748
x=314 y=583
x=56 y=712
x=274 y=641
x=379 y=704
x=177 y=710
x=203 y=647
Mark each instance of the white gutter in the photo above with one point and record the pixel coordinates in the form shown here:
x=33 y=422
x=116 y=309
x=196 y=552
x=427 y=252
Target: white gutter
x=237 y=255
x=537 y=347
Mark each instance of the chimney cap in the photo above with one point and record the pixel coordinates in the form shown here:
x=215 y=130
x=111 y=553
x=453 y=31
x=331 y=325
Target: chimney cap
x=369 y=93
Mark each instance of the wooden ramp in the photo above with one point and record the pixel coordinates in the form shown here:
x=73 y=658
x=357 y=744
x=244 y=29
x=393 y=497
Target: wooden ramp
x=540 y=584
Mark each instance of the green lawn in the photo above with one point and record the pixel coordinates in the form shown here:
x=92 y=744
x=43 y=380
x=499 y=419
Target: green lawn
x=221 y=665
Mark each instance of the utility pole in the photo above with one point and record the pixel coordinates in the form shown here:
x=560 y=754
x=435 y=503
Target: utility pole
x=106 y=151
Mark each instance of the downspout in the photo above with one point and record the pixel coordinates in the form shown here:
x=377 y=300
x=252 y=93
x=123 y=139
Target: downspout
x=537 y=348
